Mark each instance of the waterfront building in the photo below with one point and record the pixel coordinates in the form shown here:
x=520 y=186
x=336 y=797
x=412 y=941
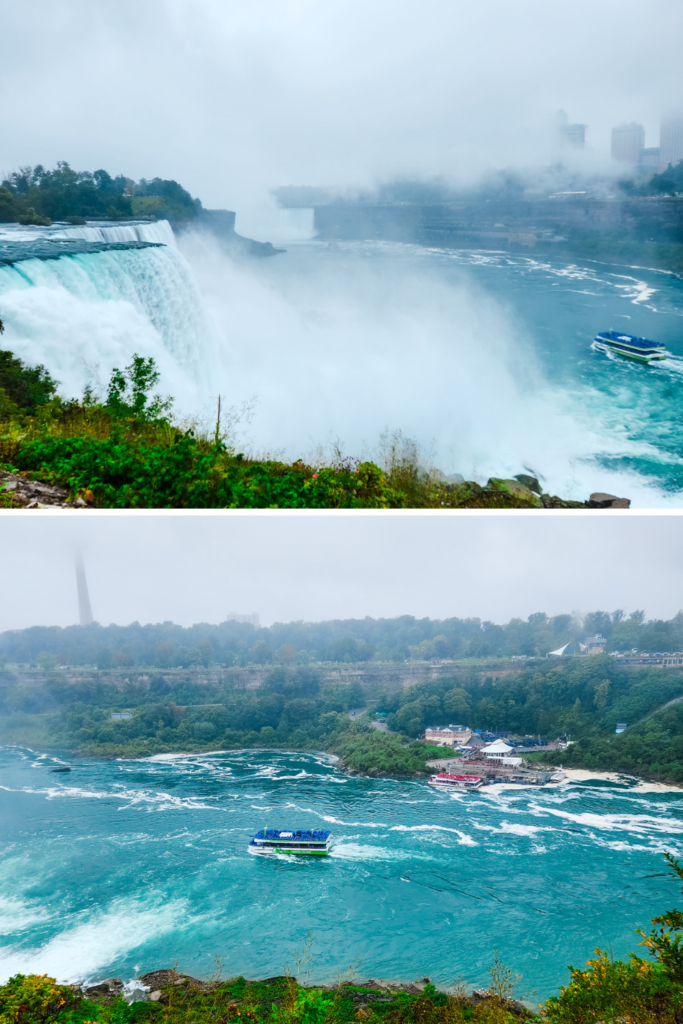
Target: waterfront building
x=448 y=736
x=500 y=750
x=671 y=138
x=594 y=644
x=628 y=142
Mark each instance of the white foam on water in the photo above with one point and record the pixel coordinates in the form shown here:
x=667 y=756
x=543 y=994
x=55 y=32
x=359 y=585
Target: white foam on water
x=17 y=914
x=464 y=839
x=99 y=939
x=131 y=797
x=361 y=852
x=638 y=824
x=515 y=829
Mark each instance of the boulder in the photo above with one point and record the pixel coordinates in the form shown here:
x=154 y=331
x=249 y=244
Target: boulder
x=516 y=489
x=600 y=500
x=528 y=481
x=104 y=990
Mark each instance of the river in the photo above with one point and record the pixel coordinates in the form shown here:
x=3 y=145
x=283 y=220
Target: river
x=124 y=866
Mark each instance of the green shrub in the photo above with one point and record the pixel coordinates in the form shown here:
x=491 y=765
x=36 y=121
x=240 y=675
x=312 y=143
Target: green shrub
x=35 y=999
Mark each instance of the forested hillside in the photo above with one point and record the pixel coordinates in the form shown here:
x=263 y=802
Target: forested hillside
x=340 y=640
x=294 y=708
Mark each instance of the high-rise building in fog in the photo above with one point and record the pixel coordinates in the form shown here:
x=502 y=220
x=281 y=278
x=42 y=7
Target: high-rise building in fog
x=671 y=138
x=628 y=142
x=253 y=618
x=84 y=609
x=573 y=135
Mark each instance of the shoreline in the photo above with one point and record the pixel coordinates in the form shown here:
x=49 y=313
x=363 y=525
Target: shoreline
x=634 y=783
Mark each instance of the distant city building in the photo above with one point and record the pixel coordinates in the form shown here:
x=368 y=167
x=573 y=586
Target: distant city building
x=650 y=157
x=671 y=138
x=452 y=736
x=628 y=142
x=573 y=135
x=252 y=619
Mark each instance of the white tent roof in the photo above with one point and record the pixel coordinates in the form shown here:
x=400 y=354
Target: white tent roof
x=497 y=747
x=560 y=650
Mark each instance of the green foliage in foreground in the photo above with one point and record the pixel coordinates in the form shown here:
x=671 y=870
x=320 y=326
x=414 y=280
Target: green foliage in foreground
x=280 y=1000
x=125 y=453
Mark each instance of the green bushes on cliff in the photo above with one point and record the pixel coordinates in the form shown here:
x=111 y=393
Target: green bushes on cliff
x=124 y=452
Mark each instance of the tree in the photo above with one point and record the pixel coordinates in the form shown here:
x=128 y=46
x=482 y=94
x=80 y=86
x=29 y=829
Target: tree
x=129 y=390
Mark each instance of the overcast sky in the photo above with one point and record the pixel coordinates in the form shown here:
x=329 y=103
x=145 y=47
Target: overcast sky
x=195 y=568
x=232 y=98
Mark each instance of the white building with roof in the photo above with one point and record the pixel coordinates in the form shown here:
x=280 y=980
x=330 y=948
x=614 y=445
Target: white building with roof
x=448 y=736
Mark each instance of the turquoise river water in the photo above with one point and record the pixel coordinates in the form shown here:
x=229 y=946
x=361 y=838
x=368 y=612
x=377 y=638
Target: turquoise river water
x=124 y=866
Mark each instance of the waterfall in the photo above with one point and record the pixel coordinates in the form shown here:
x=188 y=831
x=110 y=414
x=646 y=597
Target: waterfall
x=158 y=231
x=82 y=314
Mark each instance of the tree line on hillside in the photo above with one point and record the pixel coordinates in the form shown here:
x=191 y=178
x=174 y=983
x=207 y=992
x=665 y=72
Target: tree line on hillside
x=584 y=698
x=291 y=711
x=36 y=195
x=233 y=644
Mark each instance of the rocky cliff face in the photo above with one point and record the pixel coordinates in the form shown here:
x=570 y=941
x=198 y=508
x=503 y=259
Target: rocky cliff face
x=220 y=224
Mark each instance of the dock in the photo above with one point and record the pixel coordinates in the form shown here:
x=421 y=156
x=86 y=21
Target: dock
x=492 y=772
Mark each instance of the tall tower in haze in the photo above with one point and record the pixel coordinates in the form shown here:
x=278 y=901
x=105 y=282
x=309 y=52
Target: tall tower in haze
x=84 y=609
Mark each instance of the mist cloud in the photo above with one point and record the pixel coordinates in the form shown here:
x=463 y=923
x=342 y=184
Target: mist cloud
x=233 y=99
x=188 y=568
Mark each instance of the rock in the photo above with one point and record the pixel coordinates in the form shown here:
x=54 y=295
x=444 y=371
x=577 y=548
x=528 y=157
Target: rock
x=516 y=489
x=59 y=770
x=36 y=494
x=600 y=500
x=105 y=990
x=166 y=977
x=155 y=996
x=138 y=995
x=528 y=481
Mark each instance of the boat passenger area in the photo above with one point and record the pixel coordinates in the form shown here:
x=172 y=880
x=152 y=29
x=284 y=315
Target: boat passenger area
x=296 y=841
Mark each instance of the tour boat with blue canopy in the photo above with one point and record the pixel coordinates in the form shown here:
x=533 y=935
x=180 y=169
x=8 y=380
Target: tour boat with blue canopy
x=641 y=349
x=298 y=842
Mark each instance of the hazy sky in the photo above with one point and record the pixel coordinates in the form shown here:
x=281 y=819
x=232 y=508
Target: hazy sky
x=197 y=568
x=233 y=98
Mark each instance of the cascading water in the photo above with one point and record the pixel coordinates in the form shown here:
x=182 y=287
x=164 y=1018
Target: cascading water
x=84 y=313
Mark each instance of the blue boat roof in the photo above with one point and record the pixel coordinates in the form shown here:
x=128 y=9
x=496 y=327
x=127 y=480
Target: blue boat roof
x=629 y=339
x=314 y=835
